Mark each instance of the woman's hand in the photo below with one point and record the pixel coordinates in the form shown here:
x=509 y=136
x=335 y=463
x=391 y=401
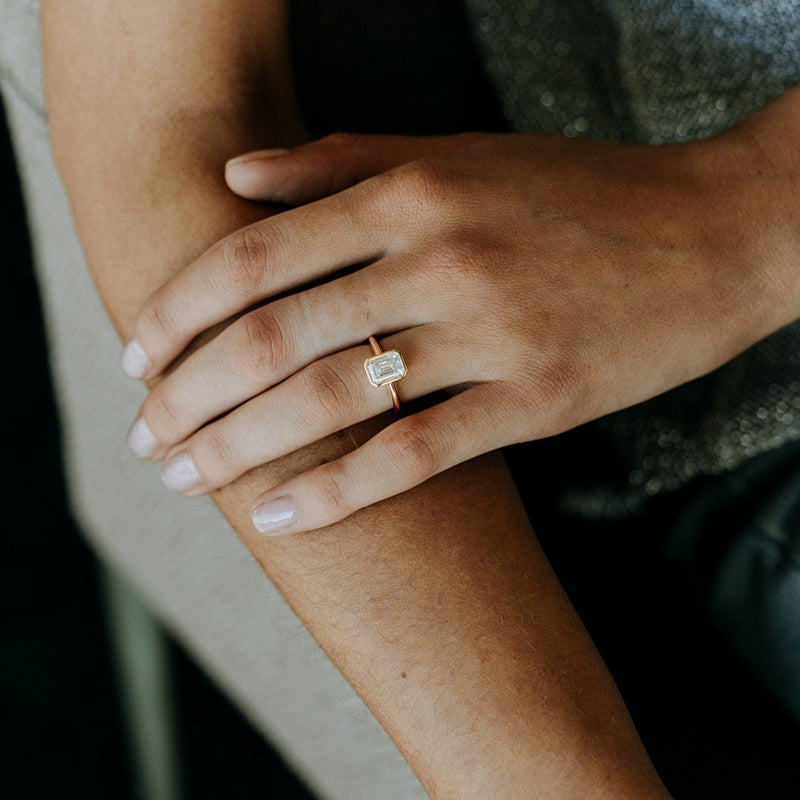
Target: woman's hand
x=543 y=281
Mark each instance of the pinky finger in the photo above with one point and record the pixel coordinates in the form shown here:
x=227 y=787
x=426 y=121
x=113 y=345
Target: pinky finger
x=398 y=458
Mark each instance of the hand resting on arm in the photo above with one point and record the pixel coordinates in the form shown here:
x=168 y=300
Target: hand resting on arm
x=547 y=281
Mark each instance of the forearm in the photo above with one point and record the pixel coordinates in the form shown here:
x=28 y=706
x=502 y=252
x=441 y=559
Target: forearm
x=450 y=625
x=145 y=103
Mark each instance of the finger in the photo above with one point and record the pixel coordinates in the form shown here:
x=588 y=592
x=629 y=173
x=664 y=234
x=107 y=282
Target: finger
x=328 y=396
x=400 y=457
x=331 y=164
x=266 y=346
x=270 y=257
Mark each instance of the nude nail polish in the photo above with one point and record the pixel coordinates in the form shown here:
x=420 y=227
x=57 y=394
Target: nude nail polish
x=275 y=516
x=135 y=362
x=180 y=473
x=141 y=440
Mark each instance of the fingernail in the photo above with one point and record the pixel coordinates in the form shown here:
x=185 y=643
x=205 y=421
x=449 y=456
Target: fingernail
x=141 y=440
x=275 y=515
x=257 y=155
x=135 y=362
x=180 y=473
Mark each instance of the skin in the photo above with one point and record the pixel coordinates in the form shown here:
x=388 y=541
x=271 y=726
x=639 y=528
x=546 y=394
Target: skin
x=451 y=626
x=589 y=277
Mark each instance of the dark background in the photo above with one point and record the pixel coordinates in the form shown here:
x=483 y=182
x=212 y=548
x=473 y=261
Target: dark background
x=710 y=730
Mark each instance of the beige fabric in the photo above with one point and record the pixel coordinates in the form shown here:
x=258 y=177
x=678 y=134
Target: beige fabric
x=186 y=562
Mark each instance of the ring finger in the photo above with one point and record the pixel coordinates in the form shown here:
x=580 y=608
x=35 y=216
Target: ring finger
x=325 y=397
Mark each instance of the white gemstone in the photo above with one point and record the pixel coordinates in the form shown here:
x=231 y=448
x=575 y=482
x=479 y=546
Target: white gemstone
x=385 y=368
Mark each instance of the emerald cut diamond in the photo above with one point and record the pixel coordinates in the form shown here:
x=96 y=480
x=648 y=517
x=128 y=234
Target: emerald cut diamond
x=385 y=368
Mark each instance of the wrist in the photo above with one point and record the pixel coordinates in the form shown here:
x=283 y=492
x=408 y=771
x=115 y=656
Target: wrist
x=739 y=201
x=761 y=159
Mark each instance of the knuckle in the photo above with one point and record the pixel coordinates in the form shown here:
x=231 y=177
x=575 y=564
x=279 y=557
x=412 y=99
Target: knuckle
x=568 y=379
x=245 y=256
x=414 y=451
x=330 y=492
x=157 y=317
x=341 y=160
x=215 y=452
x=327 y=396
x=469 y=260
x=264 y=343
x=467 y=253
x=566 y=384
x=430 y=182
x=430 y=187
x=162 y=413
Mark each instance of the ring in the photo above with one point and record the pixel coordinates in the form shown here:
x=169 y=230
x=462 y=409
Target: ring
x=385 y=369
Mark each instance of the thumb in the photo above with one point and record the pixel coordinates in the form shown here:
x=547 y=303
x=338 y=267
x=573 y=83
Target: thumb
x=329 y=165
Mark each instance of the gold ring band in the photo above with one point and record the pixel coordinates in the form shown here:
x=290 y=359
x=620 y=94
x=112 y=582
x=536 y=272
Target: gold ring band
x=385 y=368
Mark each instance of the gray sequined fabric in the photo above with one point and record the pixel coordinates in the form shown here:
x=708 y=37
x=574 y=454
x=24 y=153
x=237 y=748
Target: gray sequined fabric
x=657 y=71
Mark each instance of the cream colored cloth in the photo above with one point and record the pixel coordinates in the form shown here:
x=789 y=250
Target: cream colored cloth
x=190 y=568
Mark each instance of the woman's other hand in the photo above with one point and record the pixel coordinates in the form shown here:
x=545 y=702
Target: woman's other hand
x=542 y=281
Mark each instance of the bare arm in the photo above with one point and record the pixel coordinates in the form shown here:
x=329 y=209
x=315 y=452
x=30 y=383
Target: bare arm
x=450 y=625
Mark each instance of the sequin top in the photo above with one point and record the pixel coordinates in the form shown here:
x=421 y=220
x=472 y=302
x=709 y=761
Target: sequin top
x=657 y=71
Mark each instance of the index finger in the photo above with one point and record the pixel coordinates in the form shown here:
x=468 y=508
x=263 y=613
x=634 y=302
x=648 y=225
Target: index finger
x=259 y=261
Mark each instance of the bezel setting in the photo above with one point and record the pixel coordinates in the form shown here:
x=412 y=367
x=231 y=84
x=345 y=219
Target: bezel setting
x=387 y=367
